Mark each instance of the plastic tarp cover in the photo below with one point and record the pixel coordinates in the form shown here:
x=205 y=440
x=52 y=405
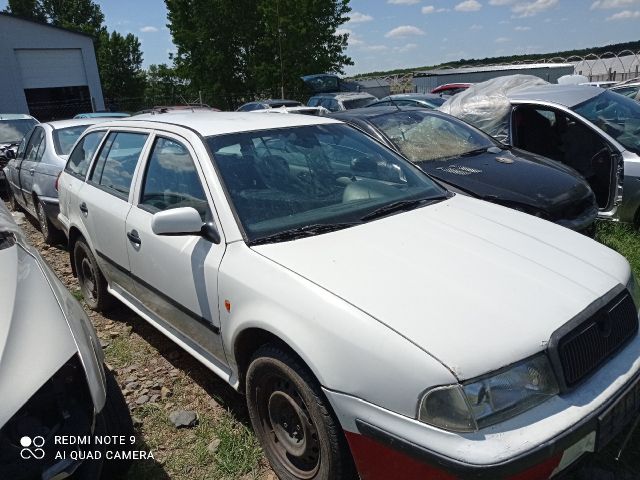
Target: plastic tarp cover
x=486 y=105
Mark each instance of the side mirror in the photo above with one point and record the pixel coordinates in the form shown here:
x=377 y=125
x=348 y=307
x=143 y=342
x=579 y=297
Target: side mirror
x=183 y=221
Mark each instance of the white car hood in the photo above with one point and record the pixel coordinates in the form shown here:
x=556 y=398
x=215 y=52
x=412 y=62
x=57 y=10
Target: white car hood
x=476 y=285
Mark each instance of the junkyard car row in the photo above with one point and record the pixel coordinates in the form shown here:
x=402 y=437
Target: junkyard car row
x=337 y=270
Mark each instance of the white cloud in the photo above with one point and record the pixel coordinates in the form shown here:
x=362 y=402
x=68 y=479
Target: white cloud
x=375 y=48
x=357 y=17
x=428 y=9
x=500 y=3
x=404 y=31
x=476 y=27
x=354 y=40
x=520 y=28
x=529 y=9
x=613 y=3
x=624 y=15
x=405 y=48
x=468 y=6
x=403 y=2
x=148 y=29
x=502 y=40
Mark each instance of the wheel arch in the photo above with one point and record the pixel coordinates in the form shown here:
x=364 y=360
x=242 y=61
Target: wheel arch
x=74 y=235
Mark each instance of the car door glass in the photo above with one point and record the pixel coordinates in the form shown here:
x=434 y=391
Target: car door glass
x=117 y=162
x=171 y=180
x=41 y=148
x=81 y=156
x=23 y=145
x=33 y=145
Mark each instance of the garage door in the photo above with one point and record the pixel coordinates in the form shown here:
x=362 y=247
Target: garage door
x=51 y=67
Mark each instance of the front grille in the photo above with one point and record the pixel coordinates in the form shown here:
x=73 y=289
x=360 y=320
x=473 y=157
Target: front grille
x=586 y=347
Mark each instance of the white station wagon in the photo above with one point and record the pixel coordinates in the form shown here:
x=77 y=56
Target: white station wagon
x=378 y=324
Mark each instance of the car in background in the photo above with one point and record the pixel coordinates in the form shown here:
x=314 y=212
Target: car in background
x=32 y=175
x=176 y=108
x=630 y=90
x=102 y=115
x=53 y=381
x=13 y=127
x=335 y=102
x=469 y=161
x=426 y=100
x=592 y=130
x=267 y=104
x=451 y=88
x=360 y=306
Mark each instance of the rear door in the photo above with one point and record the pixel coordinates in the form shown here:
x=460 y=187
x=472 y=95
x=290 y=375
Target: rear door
x=176 y=277
x=104 y=202
x=27 y=167
x=13 y=168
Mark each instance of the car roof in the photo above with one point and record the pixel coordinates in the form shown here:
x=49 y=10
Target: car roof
x=567 y=95
x=278 y=101
x=15 y=116
x=102 y=114
x=208 y=123
x=417 y=96
x=341 y=95
x=75 y=122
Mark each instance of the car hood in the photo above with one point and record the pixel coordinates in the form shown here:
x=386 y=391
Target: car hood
x=476 y=285
x=515 y=177
x=35 y=339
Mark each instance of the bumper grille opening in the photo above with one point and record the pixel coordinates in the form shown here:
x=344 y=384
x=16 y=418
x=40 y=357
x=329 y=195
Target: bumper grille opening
x=586 y=347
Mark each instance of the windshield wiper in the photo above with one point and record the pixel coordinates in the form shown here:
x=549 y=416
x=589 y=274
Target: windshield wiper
x=477 y=151
x=301 y=232
x=401 y=206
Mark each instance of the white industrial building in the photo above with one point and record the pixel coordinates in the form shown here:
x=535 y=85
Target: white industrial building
x=47 y=72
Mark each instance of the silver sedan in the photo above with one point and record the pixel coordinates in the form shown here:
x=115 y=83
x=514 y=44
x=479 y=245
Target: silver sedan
x=32 y=175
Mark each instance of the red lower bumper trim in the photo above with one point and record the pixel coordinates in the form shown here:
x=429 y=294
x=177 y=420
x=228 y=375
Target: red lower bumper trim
x=376 y=461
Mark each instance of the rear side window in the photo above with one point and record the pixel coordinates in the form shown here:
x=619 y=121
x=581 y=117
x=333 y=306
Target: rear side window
x=171 y=180
x=64 y=138
x=34 y=144
x=81 y=156
x=117 y=162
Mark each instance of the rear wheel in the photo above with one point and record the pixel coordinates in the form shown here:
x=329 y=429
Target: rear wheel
x=49 y=232
x=92 y=283
x=293 y=421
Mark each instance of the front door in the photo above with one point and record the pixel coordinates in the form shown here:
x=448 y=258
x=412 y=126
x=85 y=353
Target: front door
x=176 y=277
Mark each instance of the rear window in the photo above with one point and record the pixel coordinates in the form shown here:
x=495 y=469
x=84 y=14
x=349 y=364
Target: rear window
x=79 y=160
x=64 y=138
x=357 y=103
x=12 y=131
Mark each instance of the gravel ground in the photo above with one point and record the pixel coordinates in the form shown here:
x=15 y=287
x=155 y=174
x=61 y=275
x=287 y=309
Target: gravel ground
x=158 y=378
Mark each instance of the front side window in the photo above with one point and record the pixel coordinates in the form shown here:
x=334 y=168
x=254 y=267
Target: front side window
x=171 y=179
x=117 y=162
x=617 y=115
x=356 y=103
x=422 y=136
x=64 y=138
x=300 y=177
x=80 y=158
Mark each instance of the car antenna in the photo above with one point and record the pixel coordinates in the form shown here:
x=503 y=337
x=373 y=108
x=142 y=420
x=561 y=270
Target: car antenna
x=391 y=99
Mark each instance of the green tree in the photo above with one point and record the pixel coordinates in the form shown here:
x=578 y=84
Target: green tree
x=80 y=15
x=163 y=85
x=31 y=9
x=120 y=62
x=233 y=50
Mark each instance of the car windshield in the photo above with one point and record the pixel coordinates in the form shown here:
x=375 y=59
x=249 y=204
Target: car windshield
x=422 y=136
x=64 y=138
x=630 y=91
x=434 y=102
x=357 y=103
x=615 y=114
x=12 y=131
x=321 y=175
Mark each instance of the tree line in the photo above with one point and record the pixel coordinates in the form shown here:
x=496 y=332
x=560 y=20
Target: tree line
x=227 y=51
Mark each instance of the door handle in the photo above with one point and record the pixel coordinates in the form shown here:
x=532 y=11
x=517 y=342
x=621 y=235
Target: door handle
x=83 y=208
x=32 y=171
x=134 y=237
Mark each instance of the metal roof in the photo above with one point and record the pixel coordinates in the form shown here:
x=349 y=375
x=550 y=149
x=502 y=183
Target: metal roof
x=44 y=24
x=489 y=68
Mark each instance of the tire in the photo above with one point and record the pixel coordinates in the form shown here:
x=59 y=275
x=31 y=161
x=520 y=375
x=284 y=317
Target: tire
x=49 y=232
x=293 y=421
x=117 y=421
x=92 y=283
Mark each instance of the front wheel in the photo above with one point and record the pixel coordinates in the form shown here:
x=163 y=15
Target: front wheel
x=293 y=421
x=92 y=283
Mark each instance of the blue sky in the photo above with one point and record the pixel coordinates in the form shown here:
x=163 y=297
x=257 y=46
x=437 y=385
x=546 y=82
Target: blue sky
x=386 y=34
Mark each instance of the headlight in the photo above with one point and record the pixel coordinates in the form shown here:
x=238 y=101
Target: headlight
x=634 y=289
x=491 y=399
